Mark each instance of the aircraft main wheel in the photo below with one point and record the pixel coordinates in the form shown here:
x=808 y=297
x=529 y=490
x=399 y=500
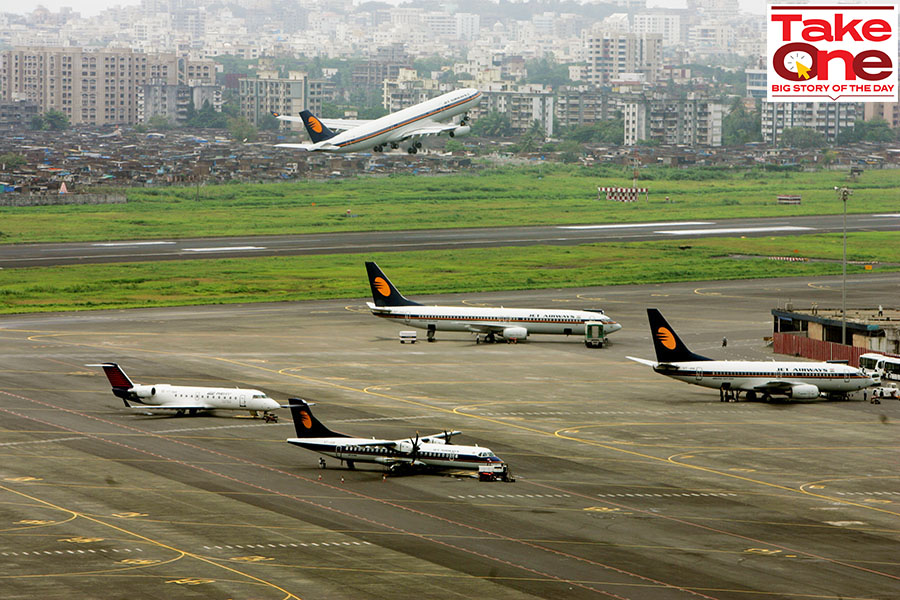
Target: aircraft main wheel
x=418 y=144
x=393 y=146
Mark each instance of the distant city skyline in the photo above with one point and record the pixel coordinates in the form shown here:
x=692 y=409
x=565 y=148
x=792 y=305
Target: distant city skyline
x=93 y=7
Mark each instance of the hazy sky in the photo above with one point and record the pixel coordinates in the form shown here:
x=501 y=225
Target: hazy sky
x=92 y=7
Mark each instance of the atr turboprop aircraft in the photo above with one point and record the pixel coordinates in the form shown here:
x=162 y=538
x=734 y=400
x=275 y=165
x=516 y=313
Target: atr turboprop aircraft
x=429 y=452
x=181 y=398
x=511 y=324
x=432 y=117
x=796 y=380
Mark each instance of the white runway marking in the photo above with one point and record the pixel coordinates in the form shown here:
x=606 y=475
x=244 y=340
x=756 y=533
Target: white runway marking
x=624 y=225
x=116 y=244
x=225 y=249
x=43 y=441
x=889 y=216
x=734 y=230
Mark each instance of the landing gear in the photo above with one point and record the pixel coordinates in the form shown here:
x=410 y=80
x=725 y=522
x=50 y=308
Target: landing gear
x=417 y=144
x=412 y=150
x=378 y=148
x=179 y=412
x=431 y=330
x=751 y=396
x=728 y=395
x=488 y=339
x=394 y=145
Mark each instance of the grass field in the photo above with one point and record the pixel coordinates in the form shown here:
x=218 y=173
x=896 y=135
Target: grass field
x=215 y=281
x=549 y=194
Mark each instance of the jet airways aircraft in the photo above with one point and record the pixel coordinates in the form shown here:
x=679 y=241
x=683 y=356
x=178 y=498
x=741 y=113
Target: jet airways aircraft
x=181 y=398
x=511 y=324
x=430 y=452
x=432 y=117
x=797 y=380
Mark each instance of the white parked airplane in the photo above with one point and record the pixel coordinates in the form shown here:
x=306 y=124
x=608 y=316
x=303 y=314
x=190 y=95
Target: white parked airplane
x=182 y=398
x=430 y=452
x=797 y=380
x=432 y=117
x=511 y=324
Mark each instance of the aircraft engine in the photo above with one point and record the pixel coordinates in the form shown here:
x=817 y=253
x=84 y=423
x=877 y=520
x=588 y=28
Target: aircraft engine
x=804 y=391
x=143 y=391
x=461 y=130
x=515 y=333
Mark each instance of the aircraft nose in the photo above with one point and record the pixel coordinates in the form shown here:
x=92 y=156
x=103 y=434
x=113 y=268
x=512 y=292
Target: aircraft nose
x=614 y=327
x=272 y=404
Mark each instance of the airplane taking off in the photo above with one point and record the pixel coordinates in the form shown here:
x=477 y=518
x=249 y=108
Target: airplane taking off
x=511 y=324
x=430 y=452
x=181 y=398
x=796 y=380
x=432 y=117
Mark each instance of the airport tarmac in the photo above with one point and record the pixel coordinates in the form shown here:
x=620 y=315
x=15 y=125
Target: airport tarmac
x=629 y=484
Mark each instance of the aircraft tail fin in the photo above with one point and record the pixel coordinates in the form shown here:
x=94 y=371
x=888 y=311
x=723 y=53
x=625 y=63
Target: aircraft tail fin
x=305 y=424
x=315 y=128
x=669 y=347
x=117 y=379
x=383 y=291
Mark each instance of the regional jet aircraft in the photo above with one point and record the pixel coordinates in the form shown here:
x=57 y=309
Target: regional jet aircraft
x=432 y=117
x=182 y=398
x=511 y=324
x=796 y=380
x=430 y=452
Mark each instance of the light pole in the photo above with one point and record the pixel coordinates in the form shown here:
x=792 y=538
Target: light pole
x=844 y=193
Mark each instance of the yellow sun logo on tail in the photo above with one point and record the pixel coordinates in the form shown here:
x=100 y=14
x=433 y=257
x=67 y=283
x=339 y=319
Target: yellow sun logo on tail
x=666 y=337
x=314 y=124
x=382 y=286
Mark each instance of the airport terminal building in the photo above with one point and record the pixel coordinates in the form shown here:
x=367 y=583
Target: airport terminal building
x=816 y=332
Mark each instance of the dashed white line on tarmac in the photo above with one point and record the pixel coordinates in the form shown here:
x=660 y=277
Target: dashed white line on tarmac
x=225 y=249
x=721 y=230
x=631 y=225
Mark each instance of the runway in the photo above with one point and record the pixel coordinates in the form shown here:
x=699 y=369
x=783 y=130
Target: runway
x=33 y=255
x=629 y=485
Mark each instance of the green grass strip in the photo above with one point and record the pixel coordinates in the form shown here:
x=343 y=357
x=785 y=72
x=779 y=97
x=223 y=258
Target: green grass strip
x=539 y=195
x=217 y=281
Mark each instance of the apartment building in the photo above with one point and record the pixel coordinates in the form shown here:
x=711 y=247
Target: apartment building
x=268 y=93
x=611 y=53
x=585 y=105
x=889 y=111
x=828 y=118
x=94 y=87
x=690 y=121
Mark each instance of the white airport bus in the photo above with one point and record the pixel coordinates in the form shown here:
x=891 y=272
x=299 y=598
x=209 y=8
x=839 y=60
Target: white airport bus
x=880 y=365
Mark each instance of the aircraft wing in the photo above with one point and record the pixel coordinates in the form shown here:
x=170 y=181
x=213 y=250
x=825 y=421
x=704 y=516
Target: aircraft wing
x=778 y=387
x=426 y=130
x=173 y=406
x=318 y=147
x=335 y=124
x=486 y=327
x=643 y=361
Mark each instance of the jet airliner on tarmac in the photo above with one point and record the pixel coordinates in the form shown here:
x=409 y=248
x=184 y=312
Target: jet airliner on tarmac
x=432 y=117
x=429 y=452
x=510 y=323
x=796 y=380
x=182 y=398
